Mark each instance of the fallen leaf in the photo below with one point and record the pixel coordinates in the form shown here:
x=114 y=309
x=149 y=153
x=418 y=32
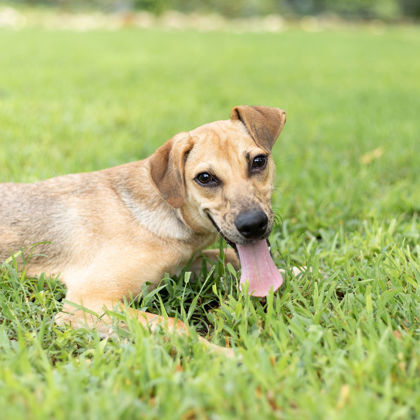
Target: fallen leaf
x=371 y=156
x=397 y=334
x=344 y=396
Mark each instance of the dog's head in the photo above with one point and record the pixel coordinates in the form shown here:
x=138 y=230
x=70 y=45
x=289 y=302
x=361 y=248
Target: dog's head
x=220 y=175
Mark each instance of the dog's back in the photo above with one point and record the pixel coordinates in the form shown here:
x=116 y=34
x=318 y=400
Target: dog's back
x=24 y=219
x=31 y=215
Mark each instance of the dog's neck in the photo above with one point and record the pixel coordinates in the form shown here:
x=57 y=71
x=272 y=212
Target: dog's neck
x=157 y=217
x=150 y=210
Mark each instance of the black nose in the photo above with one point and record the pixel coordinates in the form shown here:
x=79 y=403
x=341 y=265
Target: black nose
x=252 y=224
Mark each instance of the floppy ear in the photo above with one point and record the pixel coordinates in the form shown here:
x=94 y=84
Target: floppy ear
x=167 y=168
x=263 y=123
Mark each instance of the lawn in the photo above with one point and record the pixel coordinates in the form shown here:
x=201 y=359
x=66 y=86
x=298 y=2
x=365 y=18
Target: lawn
x=340 y=342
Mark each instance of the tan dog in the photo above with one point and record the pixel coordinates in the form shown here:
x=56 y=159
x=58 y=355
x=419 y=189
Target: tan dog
x=108 y=232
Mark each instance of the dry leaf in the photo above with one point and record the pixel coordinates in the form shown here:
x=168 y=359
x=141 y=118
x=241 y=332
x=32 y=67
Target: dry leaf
x=397 y=334
x=344 y=396
x=371 y=156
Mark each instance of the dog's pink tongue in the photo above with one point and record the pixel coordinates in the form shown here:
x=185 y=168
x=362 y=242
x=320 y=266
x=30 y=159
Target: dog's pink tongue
x=258 y=268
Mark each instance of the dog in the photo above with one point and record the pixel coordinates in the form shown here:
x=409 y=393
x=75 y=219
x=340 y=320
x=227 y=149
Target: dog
x=106 y=233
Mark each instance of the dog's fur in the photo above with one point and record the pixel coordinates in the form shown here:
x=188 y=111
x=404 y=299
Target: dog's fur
x=108 y=232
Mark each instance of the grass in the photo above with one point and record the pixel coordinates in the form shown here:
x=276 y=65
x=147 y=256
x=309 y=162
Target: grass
x=340 y=342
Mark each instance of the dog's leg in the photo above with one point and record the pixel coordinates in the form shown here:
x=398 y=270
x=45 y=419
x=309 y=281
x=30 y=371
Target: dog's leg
x=94 y=314
x=174 y=325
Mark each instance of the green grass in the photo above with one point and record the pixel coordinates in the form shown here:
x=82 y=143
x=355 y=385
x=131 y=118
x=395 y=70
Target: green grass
x=340 y=342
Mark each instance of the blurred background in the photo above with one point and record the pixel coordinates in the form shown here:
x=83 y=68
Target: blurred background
x=387 y=10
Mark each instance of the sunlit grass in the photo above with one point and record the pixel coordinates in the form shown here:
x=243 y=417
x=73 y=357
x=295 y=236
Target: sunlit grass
x=340 y=341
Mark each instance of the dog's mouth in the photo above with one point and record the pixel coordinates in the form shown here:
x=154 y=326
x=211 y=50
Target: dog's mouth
x=257 y=265
x=219 y=231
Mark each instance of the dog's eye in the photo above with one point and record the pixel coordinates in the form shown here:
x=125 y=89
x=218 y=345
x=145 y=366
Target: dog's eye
x=259 y=162
x=207 y=180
